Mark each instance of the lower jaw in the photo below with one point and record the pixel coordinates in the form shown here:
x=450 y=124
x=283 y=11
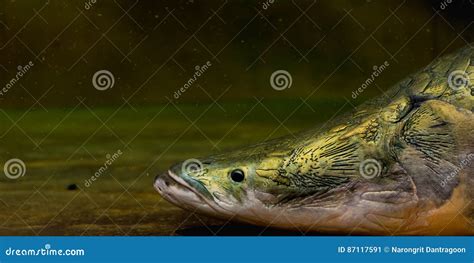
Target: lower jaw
x=184 y=196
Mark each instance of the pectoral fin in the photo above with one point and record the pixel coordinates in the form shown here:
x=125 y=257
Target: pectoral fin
x=437 y=137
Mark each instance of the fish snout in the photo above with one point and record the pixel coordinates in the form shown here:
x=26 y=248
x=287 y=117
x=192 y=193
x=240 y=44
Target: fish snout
x=162 y=182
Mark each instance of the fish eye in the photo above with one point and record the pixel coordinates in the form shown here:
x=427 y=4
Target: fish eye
x=237 y=175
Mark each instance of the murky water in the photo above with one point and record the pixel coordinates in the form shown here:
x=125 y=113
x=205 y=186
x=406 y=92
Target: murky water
x=57 y=195
x=87 y=154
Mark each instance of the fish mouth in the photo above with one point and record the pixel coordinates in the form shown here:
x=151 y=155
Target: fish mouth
x=186 y=193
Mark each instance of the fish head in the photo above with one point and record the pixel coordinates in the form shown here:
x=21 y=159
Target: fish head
x=240 y=184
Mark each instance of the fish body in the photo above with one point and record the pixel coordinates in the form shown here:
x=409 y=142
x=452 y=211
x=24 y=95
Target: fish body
x=401 y=164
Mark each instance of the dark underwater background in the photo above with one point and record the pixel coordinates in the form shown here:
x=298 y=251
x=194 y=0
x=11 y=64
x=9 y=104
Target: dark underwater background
x=102 y=89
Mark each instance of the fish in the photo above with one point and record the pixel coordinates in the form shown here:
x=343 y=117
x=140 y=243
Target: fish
x=399 y=164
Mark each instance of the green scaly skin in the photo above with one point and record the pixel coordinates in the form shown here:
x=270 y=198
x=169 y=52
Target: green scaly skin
x=401 y=164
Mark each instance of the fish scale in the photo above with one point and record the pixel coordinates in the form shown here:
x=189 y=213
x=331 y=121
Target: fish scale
x=398 y=164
